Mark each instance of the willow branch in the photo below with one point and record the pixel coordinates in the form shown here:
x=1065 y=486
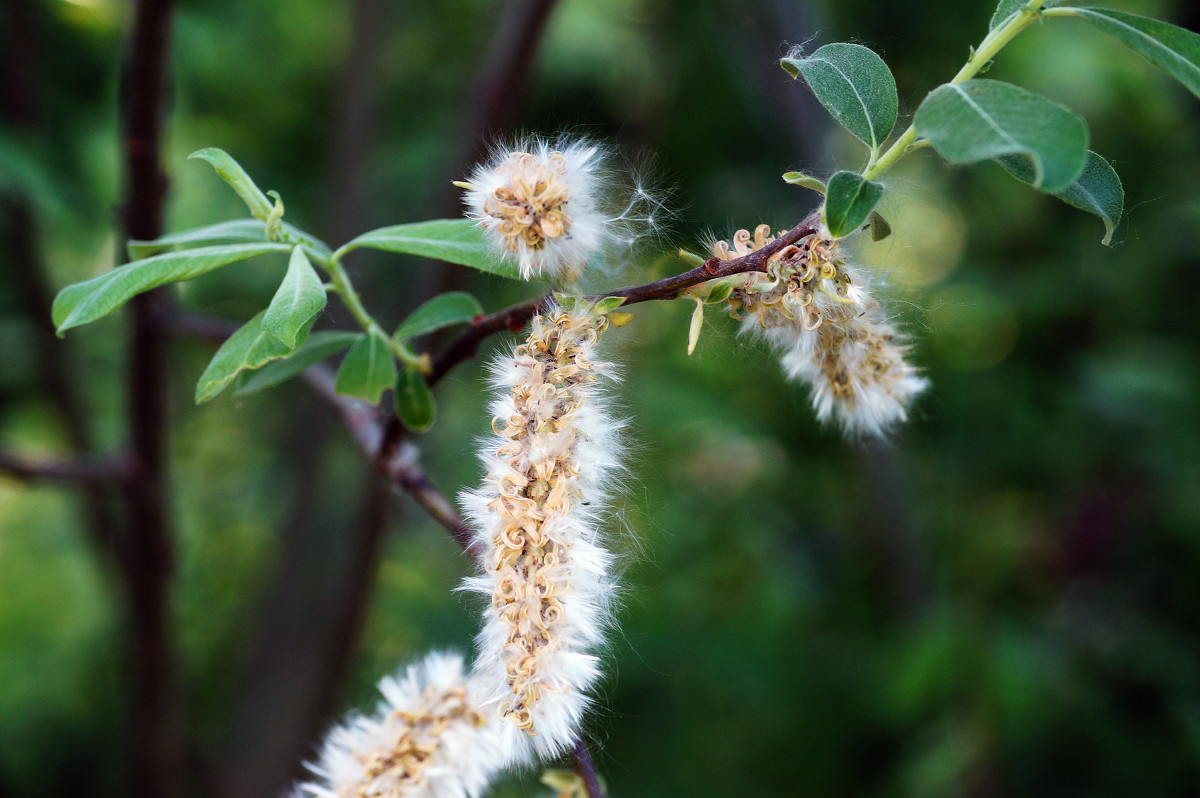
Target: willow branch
x=148 y=557
x=586 y=769
x=466 y=345
x=406 y=471
x=108 y=471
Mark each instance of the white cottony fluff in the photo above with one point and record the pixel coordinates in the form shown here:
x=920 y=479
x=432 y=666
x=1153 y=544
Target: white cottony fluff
x=542 y=204
x=537 y=523
x=428 y=738
x=856 y=367
x=818 y=312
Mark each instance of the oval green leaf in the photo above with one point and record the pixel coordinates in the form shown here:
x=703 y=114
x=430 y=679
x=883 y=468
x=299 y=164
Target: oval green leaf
x=1097 y=190
x=805 y=181
x=977 y=120
x=87 y=301
x=1172 y=49
x=247 y=349
x=458 y=241
x=319 y=346
x=367 y=370
x=232 y=173
x=443 y=310
x=855 y=85
x=849 y=200
x=300 y=297
x=414 y=401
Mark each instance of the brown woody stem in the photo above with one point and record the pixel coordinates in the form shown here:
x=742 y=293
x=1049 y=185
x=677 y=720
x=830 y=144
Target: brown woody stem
x=466 y=345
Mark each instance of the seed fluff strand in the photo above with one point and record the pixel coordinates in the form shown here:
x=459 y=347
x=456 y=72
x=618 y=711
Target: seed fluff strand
x=537 y=520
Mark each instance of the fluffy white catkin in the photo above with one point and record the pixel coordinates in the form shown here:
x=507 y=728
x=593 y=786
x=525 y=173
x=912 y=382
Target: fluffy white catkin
x=541 y=205
x=549 y=468
x=429 y=738
x=816 y=309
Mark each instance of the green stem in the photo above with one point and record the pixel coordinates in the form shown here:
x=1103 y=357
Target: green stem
x=992 y=44
x=341 y=284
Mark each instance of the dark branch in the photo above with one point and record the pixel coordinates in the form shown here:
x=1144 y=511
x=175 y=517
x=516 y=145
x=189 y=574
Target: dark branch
x=97 y=472
x=149 y=553
x=587 y=769
x=466 y=346
x=405 y=470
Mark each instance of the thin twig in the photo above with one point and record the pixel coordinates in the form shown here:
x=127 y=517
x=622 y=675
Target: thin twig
x=466 y=345
x=405 y=470
x=586 y=769
x=100 y=472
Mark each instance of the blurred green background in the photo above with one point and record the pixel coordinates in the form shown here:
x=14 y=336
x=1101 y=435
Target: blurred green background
x=1003 y=600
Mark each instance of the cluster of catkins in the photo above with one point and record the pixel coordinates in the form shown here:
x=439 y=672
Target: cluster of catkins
x=443 y=731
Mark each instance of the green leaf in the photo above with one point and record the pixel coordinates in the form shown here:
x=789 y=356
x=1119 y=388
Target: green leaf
x=87 y=301
x=368 y=369
x=1172 y=49
x=1007 y=9
x=319 y=346
x=441 y=311
x=608 y=305
x=300 y=297
x=1097 y=190
x=804 y=181
x=232 y=173
x=232 y=231
x=452 y=240
x=245 y=350
x=854 y=85
x=222 y=232
x=849 y=201
x=719 y=293
x=414 y=401
x=694 y=327
x=982 y=119
x=880 y=229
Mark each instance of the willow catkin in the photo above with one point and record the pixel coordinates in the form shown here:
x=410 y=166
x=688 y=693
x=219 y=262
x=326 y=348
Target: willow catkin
x=429 y=738
x=549 y=468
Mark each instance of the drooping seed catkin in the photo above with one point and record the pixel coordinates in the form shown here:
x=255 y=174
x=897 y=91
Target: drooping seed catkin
x=550 y=463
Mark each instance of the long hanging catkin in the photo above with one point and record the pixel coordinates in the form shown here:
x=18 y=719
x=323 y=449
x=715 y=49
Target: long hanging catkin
x=550 y=465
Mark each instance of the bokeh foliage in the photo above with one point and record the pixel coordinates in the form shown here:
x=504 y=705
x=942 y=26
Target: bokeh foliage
x=1004 y=600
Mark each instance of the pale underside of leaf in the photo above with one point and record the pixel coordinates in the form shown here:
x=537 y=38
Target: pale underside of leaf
x=982 y=119
x=1097 y=190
